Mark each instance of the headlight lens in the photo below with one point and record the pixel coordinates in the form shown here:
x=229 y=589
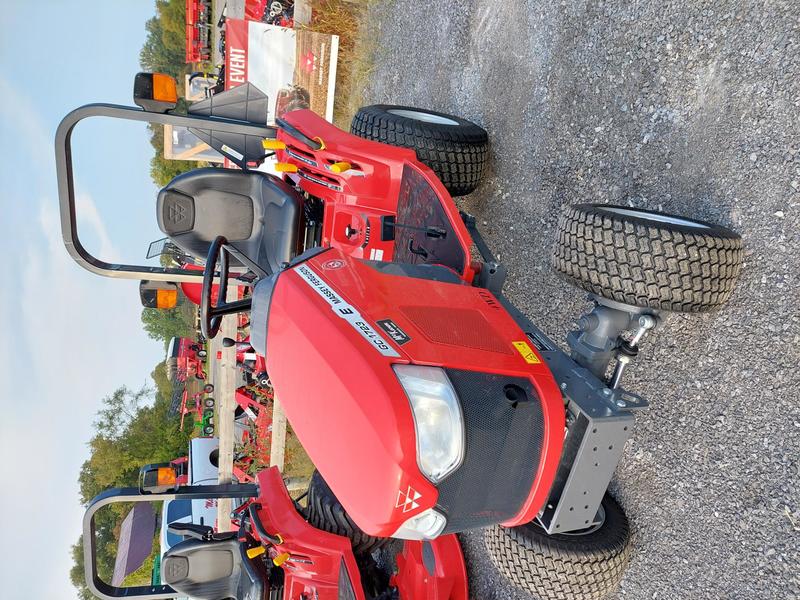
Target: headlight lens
x=427 y=525
x=437 y=418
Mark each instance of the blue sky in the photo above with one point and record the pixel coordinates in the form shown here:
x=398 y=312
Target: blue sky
x=68 y=337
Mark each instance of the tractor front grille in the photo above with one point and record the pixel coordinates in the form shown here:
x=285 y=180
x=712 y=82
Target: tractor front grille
x=503 y=448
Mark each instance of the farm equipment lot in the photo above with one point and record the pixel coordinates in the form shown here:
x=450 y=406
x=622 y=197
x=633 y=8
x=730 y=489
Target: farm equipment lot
x=668 y=106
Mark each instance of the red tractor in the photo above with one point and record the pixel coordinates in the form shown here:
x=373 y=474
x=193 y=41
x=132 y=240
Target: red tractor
x=185 y=360
x=428 y=402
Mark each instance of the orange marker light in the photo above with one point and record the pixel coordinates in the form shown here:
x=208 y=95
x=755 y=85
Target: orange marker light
x=164 y=88
x=166 y=298
x=166 y=476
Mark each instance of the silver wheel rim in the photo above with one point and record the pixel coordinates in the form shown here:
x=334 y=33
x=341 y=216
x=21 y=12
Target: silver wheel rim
x=419 y=115
x=650 y=216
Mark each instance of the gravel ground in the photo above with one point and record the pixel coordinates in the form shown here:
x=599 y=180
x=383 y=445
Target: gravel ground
x=689 y=107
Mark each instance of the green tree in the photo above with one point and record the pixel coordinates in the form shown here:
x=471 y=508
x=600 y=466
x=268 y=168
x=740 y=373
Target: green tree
x=76 y=573
x=164 y=49
x=165 y=324
x=163 y=383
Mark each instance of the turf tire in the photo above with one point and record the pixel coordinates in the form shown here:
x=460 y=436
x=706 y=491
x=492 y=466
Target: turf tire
x=563 y=567
x=325 y=512
x=457 y=152
x=647 y=259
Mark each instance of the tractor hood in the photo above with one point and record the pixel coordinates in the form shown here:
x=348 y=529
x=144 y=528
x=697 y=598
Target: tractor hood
x=335 y=329
x=331 y=368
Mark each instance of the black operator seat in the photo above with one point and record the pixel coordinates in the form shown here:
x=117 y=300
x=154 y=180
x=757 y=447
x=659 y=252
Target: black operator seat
x=257 y=212
x=213 y=570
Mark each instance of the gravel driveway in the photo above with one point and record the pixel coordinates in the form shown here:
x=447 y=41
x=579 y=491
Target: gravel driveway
x=689 y=107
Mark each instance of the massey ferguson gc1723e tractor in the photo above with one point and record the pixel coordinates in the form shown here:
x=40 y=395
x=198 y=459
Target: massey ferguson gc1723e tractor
x=428 y=403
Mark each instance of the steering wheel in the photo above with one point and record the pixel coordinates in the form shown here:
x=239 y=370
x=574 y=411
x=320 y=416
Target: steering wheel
x=211 y=315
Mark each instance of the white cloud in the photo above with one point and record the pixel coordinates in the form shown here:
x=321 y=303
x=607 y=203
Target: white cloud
x=88 y=214
x=19 y=114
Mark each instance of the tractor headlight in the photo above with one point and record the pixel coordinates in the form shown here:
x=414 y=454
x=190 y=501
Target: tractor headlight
x=427 y=525
x=437 y=418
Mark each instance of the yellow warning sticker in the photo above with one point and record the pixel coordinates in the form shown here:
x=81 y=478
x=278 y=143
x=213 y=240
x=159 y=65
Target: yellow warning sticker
x=526 y=353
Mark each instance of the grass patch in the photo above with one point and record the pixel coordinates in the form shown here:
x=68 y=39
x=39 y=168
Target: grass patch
x=298 y=464
x=345 y=18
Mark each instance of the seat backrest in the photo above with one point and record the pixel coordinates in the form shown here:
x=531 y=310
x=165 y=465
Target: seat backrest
x=205 y=570
x=258 y=213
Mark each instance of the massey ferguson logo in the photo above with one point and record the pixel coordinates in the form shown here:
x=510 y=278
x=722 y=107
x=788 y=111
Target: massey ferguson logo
x=408 y=500
x=176 y=213
x=332 y=265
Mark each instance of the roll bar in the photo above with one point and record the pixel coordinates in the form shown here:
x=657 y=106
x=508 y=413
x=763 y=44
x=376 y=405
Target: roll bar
x=66 y=188
x=104 y=590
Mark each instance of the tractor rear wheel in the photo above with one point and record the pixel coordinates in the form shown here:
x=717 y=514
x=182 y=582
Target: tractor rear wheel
x=583 y=565
x=325 y=512
x=645 y=258
x=455 y=149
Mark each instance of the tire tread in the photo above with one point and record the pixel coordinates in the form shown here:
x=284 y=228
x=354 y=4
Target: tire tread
x=324 y=511
x=656 y=266
x=458 y=155
x=552 y=570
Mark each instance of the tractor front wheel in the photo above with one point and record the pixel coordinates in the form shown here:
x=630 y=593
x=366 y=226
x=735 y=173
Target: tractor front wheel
x=326 y=512
x=584 y=565
x=455 y=149
x=647 y=258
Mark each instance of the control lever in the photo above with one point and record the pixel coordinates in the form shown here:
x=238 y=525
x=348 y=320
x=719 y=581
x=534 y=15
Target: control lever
x=389 y=225
x=419 y=250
